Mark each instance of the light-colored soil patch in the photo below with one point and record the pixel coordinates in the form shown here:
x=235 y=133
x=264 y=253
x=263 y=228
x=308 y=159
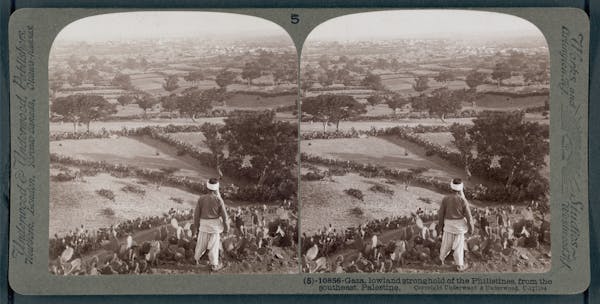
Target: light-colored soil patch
x=324 y=202
x=76 y=203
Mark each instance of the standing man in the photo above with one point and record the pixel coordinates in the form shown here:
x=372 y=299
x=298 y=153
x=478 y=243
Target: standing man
x=210 y=216
x=455 y=219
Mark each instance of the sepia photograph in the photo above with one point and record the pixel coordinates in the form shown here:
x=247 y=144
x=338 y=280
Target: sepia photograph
x=173 y=145
x=425 y=144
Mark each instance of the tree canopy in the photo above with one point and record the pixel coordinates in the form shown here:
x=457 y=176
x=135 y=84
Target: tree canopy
x=421 y=84
x=269 y=145
x=443 y=101
x=122 y=81
x=332 y=108
x=171 y=83
x=373 y=82
x=501 y=72
x=225 y=78
x=512 y=150
x=475 y=79
x=82 y=109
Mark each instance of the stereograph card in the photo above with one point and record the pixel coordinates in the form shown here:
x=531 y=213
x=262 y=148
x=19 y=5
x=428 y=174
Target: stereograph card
x=299 y=151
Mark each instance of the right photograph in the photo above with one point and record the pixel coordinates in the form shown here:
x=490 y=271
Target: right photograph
x=425 y=144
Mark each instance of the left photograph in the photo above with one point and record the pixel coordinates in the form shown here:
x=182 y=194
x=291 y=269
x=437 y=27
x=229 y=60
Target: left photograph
x=173 y=145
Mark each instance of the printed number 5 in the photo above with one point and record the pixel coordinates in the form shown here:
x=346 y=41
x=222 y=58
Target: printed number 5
x=295 y=18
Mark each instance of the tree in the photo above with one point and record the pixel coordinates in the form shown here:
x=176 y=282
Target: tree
x=324 y=62
x=513 y=150
x=125 y=100
x=171 y=83
x=501 y=72
x=76 y=78
x=215 y=142
x=324 y=79
x=169 y=103
x=443 y=101
x=475 y=79
x=82 y=109
x=196 y=102
x=332 y=108
x=251 y=71
x=145 y=102
x=374 y=100
x=225 y=78
x=444 y=76
x=194 y=76
x=396 y=101
x=269 y=144
x=122 y=81
x=306 y=84
x=395 y=64
x=373 y=82
x=55 y=86
x=465 y=145
x=421 y=84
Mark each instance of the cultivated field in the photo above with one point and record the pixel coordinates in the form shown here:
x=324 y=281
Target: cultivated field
x=142 y=152
x=76 y=203
x=324 y=202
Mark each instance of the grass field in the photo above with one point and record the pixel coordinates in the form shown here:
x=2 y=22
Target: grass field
x=193 y=138
x=141 y=152
x=61 y=127
x=76 y=203
x=324 y=202
x=441 y=138
x=388 y=151
x=499 y=102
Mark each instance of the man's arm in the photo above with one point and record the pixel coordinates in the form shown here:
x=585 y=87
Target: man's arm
x=197 y=217
x=224 y=215
x=468 y=214
x=441 y=213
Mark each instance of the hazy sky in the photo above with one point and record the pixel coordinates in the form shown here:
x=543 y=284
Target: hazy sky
x=122 y=26
x=422 y=23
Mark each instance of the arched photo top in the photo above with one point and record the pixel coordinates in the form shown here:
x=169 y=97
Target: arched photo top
x=138 y=25
x=170 y=53
x=464 y=25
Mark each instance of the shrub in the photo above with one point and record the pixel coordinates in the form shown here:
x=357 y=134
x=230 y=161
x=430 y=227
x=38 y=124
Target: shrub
x=382 y=189
x=63 y=177
x=425 y=200
x=107 y=212
x=313 y=176
x=134 y=189
x=355 y=193
x=106 y=193
x=338 y=171
x=89 y=171
x=169 y=170
x=356 y=211
x=177 y=200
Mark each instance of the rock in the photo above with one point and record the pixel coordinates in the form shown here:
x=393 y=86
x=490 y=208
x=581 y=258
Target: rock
x=523 y=256
x=548 y=254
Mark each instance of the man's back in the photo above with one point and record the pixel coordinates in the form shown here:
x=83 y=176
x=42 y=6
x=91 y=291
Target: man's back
x=208 y=207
